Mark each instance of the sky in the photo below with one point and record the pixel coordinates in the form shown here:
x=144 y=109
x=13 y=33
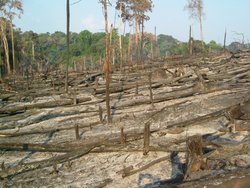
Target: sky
x=168 y=16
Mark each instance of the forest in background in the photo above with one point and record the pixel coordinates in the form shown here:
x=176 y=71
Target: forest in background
x=44 y=49
x=22 y=52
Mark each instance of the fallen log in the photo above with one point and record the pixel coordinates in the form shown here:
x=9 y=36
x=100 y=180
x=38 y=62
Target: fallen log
x=158 y=98
x=50 y=104
x=68 y=147
x=5 y=134
x=34 y=147
x=21 y=168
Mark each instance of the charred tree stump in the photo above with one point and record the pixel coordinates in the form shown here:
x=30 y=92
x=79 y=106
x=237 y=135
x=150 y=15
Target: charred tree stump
x=150 y=89
x=53 y=85
x=55 y=170
x=136 y=88
x=3 y=166
x=96 y=83
x=74 y=96
x=100 y=114
x=146 y=138
x=194 y=156
x=233 y=113
x=123 y=136
x=77 y=132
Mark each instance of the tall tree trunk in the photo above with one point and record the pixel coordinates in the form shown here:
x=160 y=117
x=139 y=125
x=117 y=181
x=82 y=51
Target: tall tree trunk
x=33 y=52
x=155 y=44
x=84 y=63
x=129 y=49
x=1 y=65
x=225 y=40
x=152 y=50
x=190 y=46
x=111 y=42
x=142 y=36
x=13 y=47
x=67 y=63
x=137 y=38
x=120 y=37
x=5 y=45
x=107 y=64
x=201 y=30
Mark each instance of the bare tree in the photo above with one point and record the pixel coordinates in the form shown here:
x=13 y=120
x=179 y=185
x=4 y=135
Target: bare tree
x=135 y=10
x=5 y=43
x=190 y=42
x=67 y=63
x=195 y=8
x=106 y=67
x=9 y=9
x=15 y=9
x=120 y=30
x=225 y=40
x=139 y=8
x=242 y=36
x=3 y=11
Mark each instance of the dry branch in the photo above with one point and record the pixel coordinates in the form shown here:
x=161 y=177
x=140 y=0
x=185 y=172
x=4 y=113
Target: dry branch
x=129 y=173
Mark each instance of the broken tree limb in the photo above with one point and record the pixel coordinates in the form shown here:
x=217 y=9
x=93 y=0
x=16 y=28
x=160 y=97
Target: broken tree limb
x=129 y=173
x=200 y=119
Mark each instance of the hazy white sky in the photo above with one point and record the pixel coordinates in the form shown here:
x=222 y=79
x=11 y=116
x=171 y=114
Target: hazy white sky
x=168 y=16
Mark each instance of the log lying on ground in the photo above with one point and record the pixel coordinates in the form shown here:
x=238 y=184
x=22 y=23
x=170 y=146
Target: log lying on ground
x=13 y=109
x=158 y=98
x=34 y=147
x=52 y=130
x=183 y=92
x=115 y=88
x=21 y=168
x=50 y=104
x=66 y=148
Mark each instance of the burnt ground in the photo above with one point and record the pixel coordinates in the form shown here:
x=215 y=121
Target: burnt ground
x=198 y=122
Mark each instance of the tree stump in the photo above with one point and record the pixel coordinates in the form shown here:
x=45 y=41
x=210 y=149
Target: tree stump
x=194 y=157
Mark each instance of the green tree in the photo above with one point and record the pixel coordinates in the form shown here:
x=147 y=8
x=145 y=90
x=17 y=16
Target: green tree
x=212 y=46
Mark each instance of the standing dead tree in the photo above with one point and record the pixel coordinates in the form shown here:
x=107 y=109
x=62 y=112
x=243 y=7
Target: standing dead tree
x=5 y=43
x=190 y=42
x=135 y=10
x=68 y=37
x=195 y=8
x=225 y=40
x=107 y=67
x=15 y=9
x=139 y=8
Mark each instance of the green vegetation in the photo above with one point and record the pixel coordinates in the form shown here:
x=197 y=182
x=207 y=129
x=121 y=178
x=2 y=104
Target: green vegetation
x=50 y=48
x=170 y=46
